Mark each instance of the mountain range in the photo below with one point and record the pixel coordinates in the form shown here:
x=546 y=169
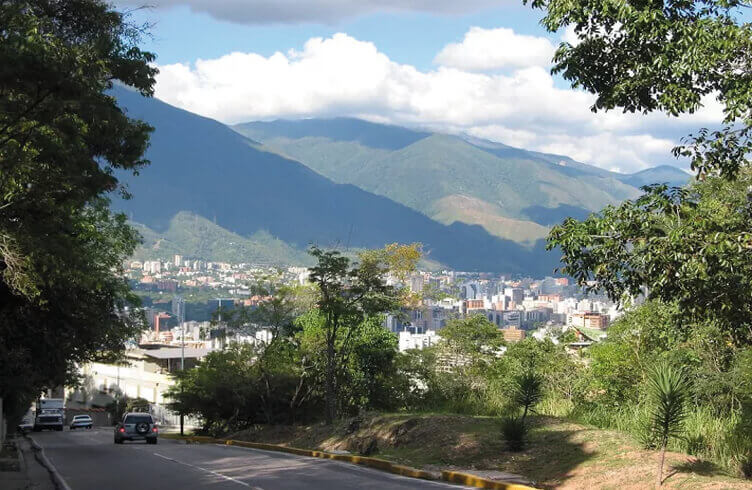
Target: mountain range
x=266 y=194
x=512 y=193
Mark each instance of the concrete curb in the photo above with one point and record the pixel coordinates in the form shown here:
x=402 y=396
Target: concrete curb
x=60 y=484
x=376 y=463
x=478 y=482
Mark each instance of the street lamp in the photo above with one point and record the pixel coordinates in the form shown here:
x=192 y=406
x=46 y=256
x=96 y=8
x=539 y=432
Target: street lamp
x=181 y=319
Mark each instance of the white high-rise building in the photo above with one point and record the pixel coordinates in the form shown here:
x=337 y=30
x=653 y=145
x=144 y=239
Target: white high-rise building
x=178 y=260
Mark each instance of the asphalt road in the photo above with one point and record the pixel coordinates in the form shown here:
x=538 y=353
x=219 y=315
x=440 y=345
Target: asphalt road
x=89 y=460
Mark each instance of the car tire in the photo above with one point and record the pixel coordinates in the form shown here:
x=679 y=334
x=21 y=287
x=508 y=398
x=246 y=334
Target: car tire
x=151 y=441
x=59 y=429
x=118 y=441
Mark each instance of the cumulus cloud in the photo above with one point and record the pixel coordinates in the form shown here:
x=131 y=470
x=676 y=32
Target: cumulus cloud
x=342 y=76
x=304 y=11
x=492 y=49
x=569 y=36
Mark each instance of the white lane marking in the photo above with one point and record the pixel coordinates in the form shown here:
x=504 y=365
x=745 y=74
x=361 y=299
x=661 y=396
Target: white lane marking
x=346 y=465
x=208 y=471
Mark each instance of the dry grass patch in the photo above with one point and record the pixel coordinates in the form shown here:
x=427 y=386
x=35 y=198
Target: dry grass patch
x=559 y=454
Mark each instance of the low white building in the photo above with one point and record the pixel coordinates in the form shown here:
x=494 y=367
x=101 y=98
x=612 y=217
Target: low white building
x=145 y=374
x=409 y=340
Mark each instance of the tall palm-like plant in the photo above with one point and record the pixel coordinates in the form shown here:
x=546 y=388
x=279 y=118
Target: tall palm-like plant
x=528 y=391
x=668 y=391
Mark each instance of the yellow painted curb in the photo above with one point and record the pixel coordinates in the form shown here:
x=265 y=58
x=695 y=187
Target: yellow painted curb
x=478 y=482
x=379 y=464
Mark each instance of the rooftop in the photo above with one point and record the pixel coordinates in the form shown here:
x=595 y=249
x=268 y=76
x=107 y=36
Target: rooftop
x=176 y=353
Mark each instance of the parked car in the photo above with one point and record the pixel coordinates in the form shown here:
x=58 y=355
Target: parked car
x=136 y=427
x=81 y=421
x=26 y=425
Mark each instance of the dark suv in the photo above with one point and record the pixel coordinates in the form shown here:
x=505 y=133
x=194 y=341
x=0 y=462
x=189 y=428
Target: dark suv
x=136 y=427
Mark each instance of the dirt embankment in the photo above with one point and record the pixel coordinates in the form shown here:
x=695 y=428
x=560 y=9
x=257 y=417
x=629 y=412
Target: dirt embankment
x=559 y=454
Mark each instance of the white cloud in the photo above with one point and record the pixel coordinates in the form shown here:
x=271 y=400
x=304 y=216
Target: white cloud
x=342 y=76
x=491 y=49
x=570 y=36
x=618 y=153
x=305 y=11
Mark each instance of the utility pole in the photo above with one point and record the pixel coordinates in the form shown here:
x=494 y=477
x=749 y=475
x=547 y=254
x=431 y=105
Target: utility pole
x=181 y=319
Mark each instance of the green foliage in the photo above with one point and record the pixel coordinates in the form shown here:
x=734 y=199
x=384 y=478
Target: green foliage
x=528 y=392
x=284 y=380
x=63 y=300
x=371 y=380
x=474 y=337
x=195 y=236
x=667 y=396
x=688 y=246
x=634 y=342
x=230 y=390
x=446 y=177
x=347 y=294
x=664 y=56
x=615 y=391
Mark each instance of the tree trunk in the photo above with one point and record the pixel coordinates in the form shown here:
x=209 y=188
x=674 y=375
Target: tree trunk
x=659 y=482
x=331 y=396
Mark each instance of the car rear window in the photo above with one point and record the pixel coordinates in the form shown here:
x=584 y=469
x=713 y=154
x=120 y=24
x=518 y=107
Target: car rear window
x=81 y=417
x=136 y=419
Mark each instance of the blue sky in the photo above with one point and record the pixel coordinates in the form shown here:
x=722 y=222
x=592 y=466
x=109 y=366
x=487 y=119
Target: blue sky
x=480 y=67
x=182 y=35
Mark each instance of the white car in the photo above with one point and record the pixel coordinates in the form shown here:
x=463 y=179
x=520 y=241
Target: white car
x=26 y=425
x=81 y=421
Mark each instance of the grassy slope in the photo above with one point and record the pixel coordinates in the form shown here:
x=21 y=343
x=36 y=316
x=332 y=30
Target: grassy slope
x=196 y=237
x=560 y=454
x=470 y=210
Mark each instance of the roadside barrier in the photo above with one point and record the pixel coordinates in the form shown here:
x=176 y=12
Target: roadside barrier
x=478 y=482
x=376 y=463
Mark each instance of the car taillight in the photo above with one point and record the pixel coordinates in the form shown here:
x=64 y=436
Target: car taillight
x=122 y=429
x=154 y=429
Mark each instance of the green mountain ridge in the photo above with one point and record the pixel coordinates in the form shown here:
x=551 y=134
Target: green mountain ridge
x=204 y=168
x=194 y=236
x=512 y=193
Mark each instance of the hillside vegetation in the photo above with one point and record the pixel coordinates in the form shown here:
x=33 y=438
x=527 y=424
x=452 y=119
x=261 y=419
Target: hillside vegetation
x=453 y=178
x=204 y=168
x=560 y=454
x=194 y=236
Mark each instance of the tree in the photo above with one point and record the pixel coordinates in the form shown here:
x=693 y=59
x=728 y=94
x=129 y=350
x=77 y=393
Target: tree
x=687 y=246
x=63 y=299
x=665 y=56
x=348 y=293
x=221 y=390
x=472 y=337
x=275 y=318
x=671 y=57
x=668 y=391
